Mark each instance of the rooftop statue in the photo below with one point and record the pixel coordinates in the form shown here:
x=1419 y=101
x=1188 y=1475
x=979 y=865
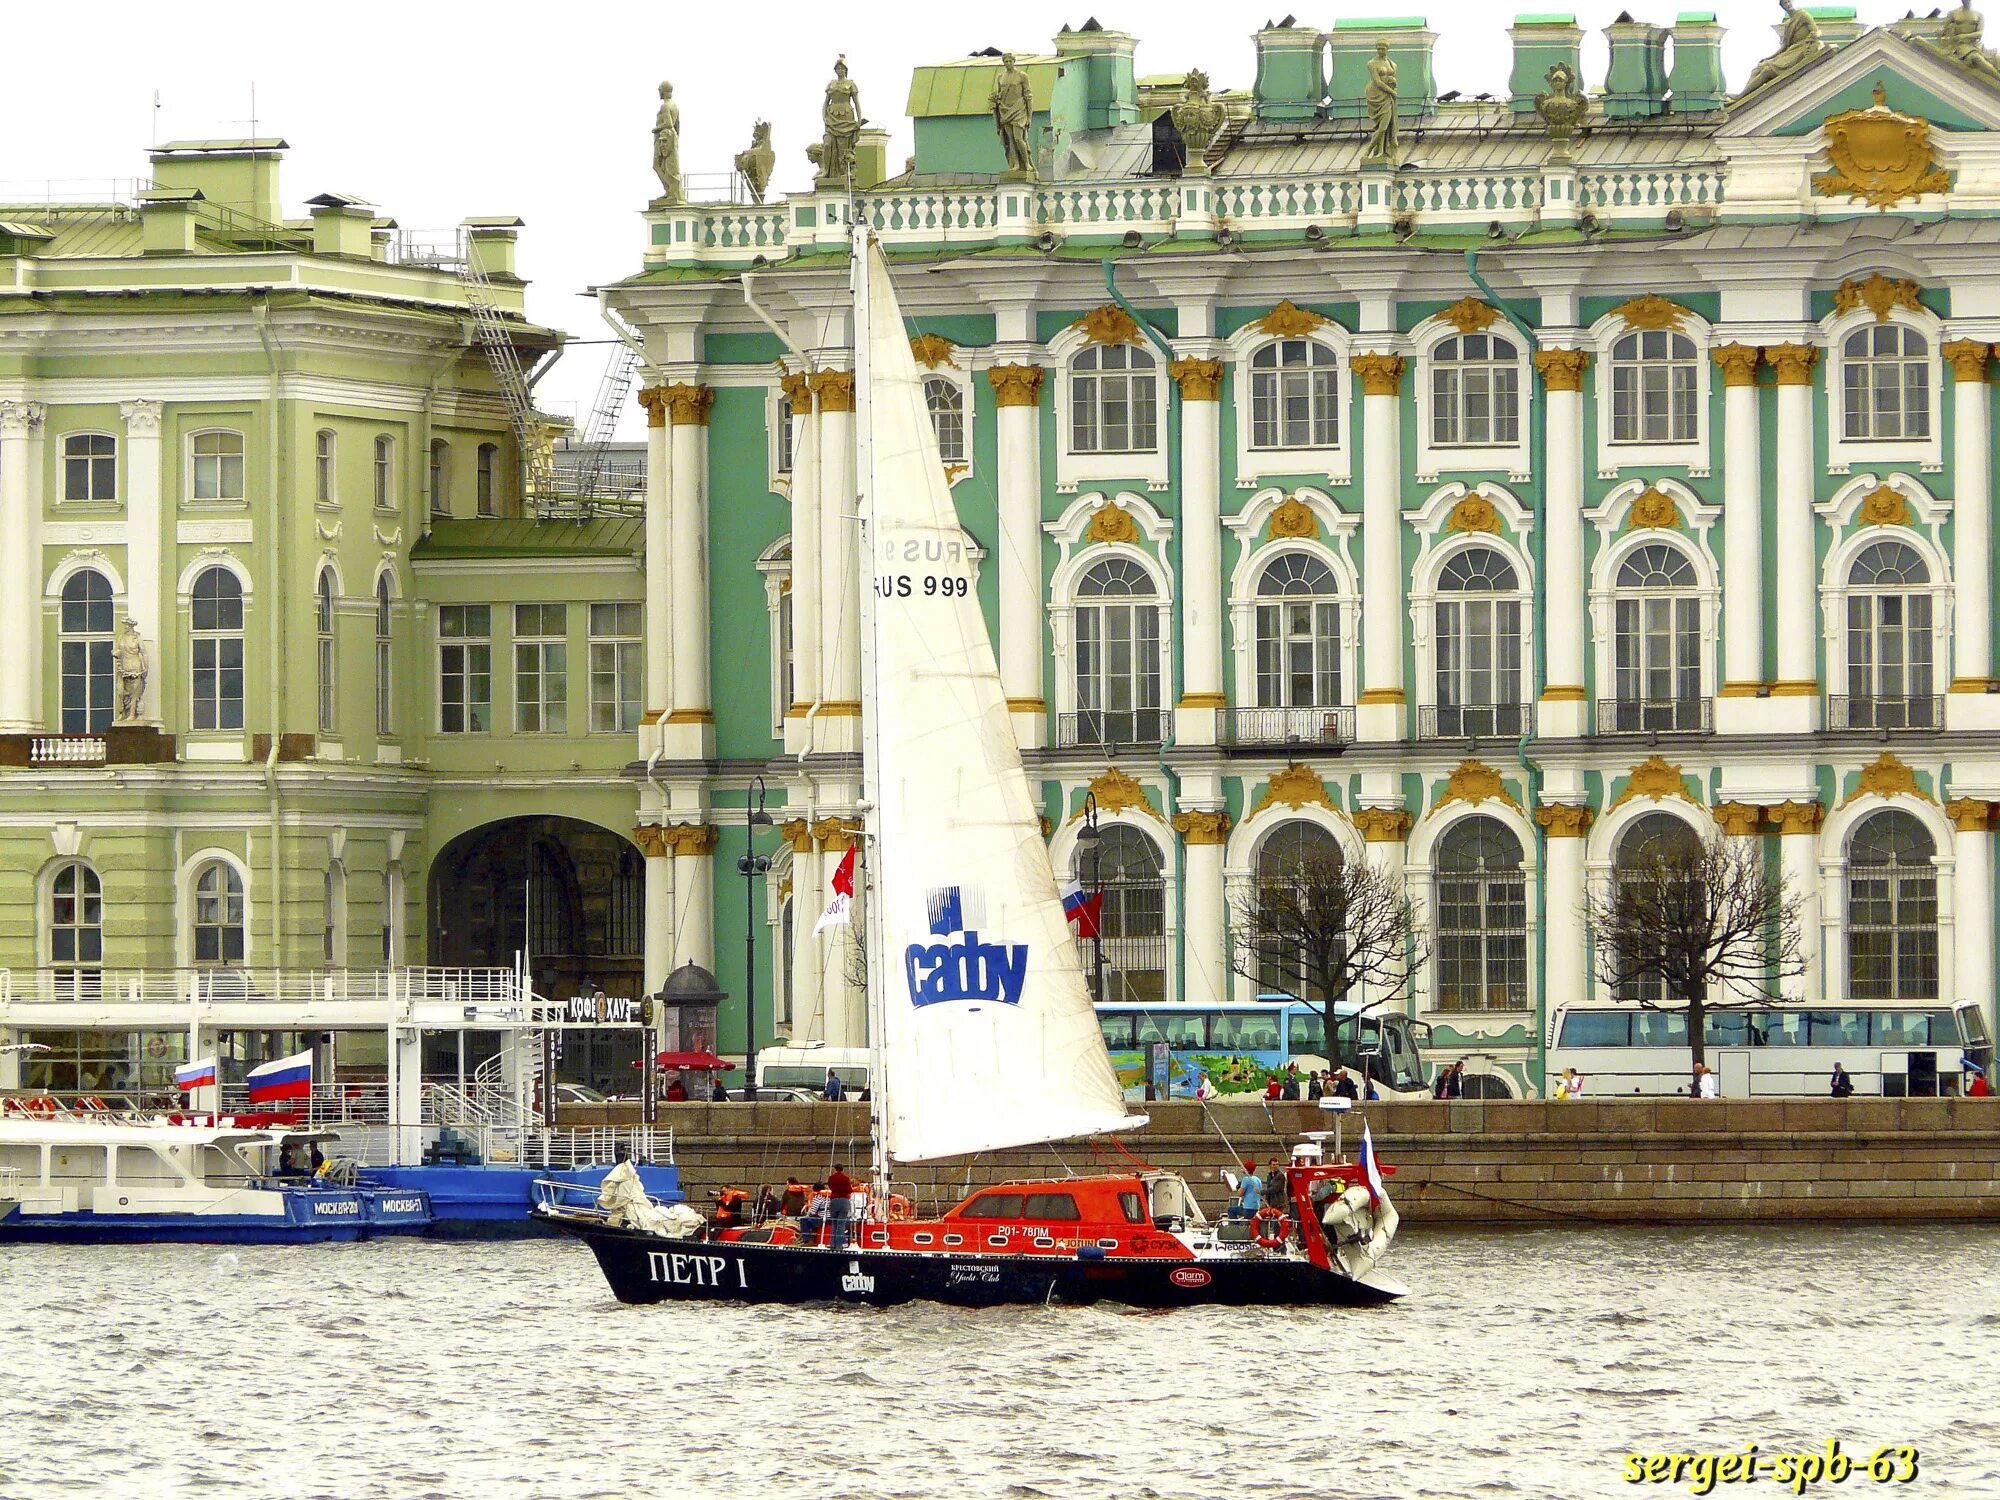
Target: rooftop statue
x=842 y=119
x=1013 y=104
x=667 y=147
x=1380 y=97
x=754 y=165
x=1199 y=118
x=1562 y=108
x=1798 y=44
x=1962 y=38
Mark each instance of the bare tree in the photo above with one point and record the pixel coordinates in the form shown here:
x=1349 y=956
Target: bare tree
x=1692 y=925
x=1329 y=930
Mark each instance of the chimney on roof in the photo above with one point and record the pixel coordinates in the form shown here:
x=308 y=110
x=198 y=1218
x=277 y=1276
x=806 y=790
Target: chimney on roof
x=1096 y=83
x=1291 y=72
x=1351 y=47
x=1696 y=83
x=167 y=220
x=1635 y=85
x=342 y=226
x=1540 y=42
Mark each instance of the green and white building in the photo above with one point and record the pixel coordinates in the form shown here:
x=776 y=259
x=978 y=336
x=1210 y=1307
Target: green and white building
x=1484 y=512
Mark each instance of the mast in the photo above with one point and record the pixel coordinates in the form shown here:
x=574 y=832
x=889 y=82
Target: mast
x=871 y=730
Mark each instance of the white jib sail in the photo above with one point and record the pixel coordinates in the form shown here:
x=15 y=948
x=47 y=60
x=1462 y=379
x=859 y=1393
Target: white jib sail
x=988 y=1036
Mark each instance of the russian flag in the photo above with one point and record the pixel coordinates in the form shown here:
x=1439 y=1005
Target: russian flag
x=196 y=1075
x=1087 y=911
x=1377 y=1193
x=286 y=1078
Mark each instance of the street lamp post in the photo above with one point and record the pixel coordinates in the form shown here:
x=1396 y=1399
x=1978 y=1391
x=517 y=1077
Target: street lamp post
x=1088 y=837
x=750 y=865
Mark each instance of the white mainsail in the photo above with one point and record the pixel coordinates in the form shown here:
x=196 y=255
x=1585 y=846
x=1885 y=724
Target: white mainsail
x=987 y=1038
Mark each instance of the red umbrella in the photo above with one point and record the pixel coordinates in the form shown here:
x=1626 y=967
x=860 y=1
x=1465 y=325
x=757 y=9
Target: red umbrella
x=706 y=1062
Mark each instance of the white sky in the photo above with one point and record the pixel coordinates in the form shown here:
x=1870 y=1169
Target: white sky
x=437 y=111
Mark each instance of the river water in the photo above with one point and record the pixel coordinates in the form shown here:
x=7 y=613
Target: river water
x=1526 y=1363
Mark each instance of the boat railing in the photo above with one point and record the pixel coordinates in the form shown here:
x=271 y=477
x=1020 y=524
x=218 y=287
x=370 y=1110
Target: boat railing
x=573 y=1199
x=575 y=1148
x=473 y=1105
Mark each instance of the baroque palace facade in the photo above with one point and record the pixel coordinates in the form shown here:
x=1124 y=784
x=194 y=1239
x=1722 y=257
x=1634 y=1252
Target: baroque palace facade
x=1480 y=488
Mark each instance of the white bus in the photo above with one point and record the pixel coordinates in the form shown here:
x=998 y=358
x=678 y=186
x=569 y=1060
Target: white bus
x=1779 y=1051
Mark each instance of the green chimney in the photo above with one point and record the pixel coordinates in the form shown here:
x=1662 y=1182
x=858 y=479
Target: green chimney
x=1636 y=84
x=1540 y=42
x=1291 y=73
x=1696 y=83
x=1351 y=47
x=1097 y=76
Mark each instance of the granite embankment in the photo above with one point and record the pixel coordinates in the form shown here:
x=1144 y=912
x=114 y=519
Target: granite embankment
x=1643 y=1161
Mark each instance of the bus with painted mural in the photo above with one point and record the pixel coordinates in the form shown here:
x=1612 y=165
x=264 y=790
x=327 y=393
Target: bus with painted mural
x=1775 y=1051
x=1241 y=1044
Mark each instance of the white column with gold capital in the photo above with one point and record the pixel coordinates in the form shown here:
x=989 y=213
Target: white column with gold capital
x=1205 y=949
x=1737 y=710
x=143 y=541
x=1972 y=894
x=1971 y=704
x=805 y=561
x=659 y=568
x=689 y=727
x=692 y=846
x=20 y=563
x=1795 y=693
x=844 y=978
x=1561 y=710
x=1798 y=825
x=659 y=907
x=1566 y=957
x=837 y=726
x=1201 y=701
x=1017 y=401
x=1381 y=704
x=810 y=893
x=1384 y=828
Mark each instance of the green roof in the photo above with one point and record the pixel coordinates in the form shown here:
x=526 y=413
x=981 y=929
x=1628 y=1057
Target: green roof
x=606 y=536
x=961 y=87
x=1381 y=23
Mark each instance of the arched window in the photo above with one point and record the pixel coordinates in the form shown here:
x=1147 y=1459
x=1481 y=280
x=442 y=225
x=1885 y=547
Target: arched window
x=781 y=433
x=489 y=464
x=781 y=1002
x=89 y=679
x=1889 y=677
x=385 y=656
x=1114 y=400
x=323 y=466
x=1887 y=374
x=1117 y=655
x=218 y=465
x=1294 y=395
x=215 y=650
x=1892 y=910
x=333 y=921
x=945 y=401
x=1475 y=392
x=1657 y=651
x=90 y=466
x=1651 y=836
x=76 y=918
x=1482 y=917
x=327 y=657
x=1478 y=614
x=385 y=473
x=440 y=477
x=1291 y=850
x=1298 y=646
x=1655 y=385
x=218 y=914
x=1132 y=931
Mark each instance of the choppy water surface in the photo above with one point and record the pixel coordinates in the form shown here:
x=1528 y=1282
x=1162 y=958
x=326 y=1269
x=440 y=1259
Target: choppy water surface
x=1527 y=1363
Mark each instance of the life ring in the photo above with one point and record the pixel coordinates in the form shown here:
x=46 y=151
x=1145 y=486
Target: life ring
x=156 y=1046
x=899 y=1208
x=41 y=1107
x=91 y=1104
x=1278 y=1230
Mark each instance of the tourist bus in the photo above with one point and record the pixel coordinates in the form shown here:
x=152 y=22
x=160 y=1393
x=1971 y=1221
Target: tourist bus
x=1777 y=1050
x=1241 y=1044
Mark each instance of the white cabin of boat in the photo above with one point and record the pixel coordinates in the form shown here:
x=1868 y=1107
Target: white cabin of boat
x=82 y=1166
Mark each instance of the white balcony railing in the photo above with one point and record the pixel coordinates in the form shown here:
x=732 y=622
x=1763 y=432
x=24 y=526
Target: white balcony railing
x=450 y=986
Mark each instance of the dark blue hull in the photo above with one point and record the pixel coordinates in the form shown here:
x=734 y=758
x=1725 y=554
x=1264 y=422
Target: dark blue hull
x=310 y=1216
x=497 y=1202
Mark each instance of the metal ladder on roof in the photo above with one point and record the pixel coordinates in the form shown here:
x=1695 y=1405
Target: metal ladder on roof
x=613 y=391
x=496 y=340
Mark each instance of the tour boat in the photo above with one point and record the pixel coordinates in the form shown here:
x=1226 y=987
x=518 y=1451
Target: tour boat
x=981 y=1027
x=113 y=1181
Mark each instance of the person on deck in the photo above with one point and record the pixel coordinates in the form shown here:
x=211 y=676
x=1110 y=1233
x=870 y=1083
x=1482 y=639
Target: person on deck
x=1841 y=1086
x=792 y=1202
x=813 y=1220
x=1249 y=1194
x=839 y=1204
x=833 y=1091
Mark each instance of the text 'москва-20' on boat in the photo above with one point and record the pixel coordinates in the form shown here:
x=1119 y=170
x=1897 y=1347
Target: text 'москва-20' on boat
x=980 y=1020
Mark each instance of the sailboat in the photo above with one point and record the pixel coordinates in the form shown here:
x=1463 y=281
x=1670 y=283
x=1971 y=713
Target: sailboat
x=980 y=1018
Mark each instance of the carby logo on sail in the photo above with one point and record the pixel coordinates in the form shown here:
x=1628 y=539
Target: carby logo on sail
x=960 y=966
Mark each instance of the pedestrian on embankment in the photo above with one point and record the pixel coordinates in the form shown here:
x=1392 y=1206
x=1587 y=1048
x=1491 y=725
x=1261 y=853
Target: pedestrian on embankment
x=1841 y=1086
